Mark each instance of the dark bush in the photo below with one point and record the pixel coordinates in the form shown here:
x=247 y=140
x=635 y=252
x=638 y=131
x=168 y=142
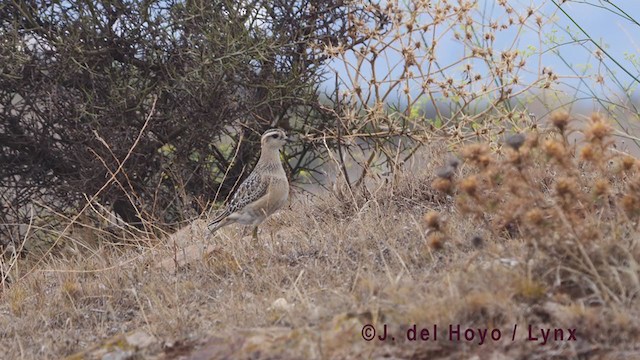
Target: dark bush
x=79 y=80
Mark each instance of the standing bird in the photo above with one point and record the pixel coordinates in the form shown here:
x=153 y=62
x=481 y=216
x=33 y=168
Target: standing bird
x=263 y=192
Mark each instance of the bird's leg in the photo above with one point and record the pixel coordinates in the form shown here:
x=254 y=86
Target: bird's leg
x=255 y=233
x=244 y=232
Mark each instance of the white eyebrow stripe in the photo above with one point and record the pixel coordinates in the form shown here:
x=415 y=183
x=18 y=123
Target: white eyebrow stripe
x=271 y=132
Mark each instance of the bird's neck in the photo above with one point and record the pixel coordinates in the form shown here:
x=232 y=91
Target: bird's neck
x=269 y=156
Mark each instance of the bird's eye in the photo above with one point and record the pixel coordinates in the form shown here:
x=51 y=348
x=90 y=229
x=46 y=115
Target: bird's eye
x=275 y=136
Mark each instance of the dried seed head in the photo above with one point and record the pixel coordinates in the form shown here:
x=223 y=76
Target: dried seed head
x=598 y=129
x=436 y=241
x=469 y=185
x=515 y=141
x=560 y=119
x=588 y=153
x=473 y=151
x=477 y=153
x=634 y=186
x=515 y=157
x=566 y=186
x=533 y=140
x=442 y=185
x=555 y=149
x=628 y=162
x=601 y=187
x=432 y=219
x=631 y=205
x=534 y=217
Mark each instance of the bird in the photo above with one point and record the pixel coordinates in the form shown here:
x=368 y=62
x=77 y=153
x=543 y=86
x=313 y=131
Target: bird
x=263 y=192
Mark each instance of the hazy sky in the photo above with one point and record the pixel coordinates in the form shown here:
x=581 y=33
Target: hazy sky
x=618 y=36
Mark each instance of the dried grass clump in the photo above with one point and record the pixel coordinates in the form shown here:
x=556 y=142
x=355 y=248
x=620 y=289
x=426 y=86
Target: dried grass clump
x=574 y=211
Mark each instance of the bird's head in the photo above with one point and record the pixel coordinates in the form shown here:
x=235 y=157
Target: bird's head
x=274 y=139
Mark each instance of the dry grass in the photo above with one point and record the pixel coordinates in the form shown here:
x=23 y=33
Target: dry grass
x=526 y=234
x=531 y=231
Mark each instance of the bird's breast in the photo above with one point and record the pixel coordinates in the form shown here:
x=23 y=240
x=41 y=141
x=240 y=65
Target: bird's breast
x=278 y=194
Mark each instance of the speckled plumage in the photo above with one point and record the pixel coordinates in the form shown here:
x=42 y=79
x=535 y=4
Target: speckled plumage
x=263 y=192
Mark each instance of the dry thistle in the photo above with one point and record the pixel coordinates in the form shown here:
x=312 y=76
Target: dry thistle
x=555 y=149
x=442 y=185
x=566 y=187
x=477 y=153
x=601 y=188
x=628 y=162
x=534 y=217
x=469 y=185
x=560 y=119
x=432 y=219
x=598 y=129
x=588 y=153
x=631 y=205
x=533 y=140
x=437 y=240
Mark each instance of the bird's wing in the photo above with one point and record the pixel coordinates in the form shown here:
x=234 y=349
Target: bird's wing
x=252 y=188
